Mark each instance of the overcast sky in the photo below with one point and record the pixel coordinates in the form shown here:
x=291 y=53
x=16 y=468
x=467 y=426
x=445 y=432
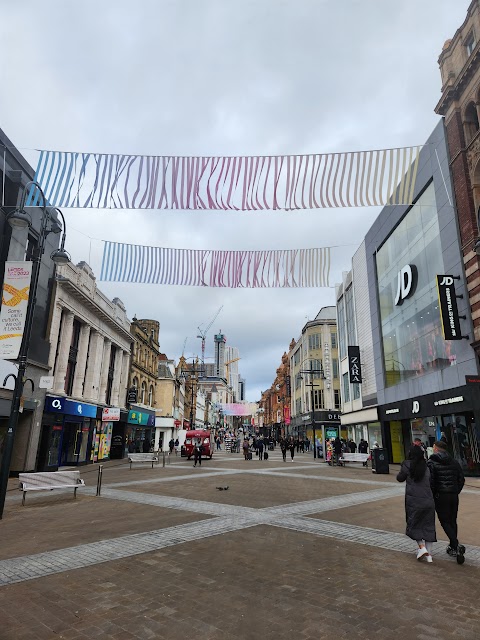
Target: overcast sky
x=209 y=77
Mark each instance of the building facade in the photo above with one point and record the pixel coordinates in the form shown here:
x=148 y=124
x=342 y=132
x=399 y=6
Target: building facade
x=315 y=396
x=143 y=381
x=421 y=377
x=460 y=106
x=359 y=417
x=18 y=245
x=273 y=418
x=89 y=361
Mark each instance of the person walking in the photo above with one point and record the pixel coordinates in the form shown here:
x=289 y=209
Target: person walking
x=447 y=480
x=283 y=448
x=197 y=454
x=337 y=449
x=363 y=448
x=260 y=447
x=419 y=502
x=171 y=444
x=246 y=448
x=291 y=446
x=177 y=444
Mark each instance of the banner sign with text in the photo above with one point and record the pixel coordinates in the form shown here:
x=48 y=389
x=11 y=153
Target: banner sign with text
x=448 y=308
x=16 y=288
x=354 y=366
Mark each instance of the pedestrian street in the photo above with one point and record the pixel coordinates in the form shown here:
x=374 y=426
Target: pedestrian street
x=305 y=542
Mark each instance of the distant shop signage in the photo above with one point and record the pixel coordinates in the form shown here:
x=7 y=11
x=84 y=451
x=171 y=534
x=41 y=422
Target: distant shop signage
x=389 y=411
x=472 y=380
x=406 y=283
x=69 y=407
x=354 y=366
x=110 y=414
x=454 y=400
x=132 y=395
x=142 y=418
x=448 y=308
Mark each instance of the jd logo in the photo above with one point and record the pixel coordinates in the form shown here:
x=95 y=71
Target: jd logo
x=406 y=283
x=447 y=281
x=416 y=406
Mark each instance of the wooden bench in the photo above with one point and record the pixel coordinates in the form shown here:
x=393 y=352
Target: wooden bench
x=142 y=457
x=49 y=480
x=354 y=457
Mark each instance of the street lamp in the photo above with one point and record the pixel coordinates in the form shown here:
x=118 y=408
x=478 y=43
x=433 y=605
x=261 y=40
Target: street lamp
x=21 y=219
x=311 y=384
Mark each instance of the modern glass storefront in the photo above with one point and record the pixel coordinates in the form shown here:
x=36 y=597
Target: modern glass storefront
x=413 y=344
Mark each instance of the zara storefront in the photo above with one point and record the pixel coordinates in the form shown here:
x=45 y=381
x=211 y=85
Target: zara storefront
x=420 y=376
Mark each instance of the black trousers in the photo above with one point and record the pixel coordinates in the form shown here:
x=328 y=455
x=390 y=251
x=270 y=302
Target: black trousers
x=446 y=506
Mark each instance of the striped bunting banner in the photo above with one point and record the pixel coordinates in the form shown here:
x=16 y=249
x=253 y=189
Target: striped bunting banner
x=238 y=183
x=208 y=268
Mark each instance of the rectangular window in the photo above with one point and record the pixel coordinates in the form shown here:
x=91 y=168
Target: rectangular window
x=356 y=390
x=314 y=341
x=298 y=381
x=316 y=367
x=470 y=44
x=346 y=388
x=298 y=406
x=296 y=357
x=333 y=340
x=350 y=316
x=318 y=398
x=335 y=367
x=336 y=398
x=341 y=328
x=32 y=244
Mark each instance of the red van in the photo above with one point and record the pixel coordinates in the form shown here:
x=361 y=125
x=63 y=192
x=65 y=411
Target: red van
x=199 y=436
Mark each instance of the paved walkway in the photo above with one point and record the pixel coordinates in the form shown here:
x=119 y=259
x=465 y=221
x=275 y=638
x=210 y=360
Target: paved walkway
x=290 y=550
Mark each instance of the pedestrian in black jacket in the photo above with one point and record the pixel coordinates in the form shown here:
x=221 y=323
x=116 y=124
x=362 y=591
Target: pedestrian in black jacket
x=419 y=502
x=447 y=481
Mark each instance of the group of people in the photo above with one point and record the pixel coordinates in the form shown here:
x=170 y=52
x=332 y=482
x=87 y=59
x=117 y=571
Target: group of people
x=432 y=485
x=336 y=447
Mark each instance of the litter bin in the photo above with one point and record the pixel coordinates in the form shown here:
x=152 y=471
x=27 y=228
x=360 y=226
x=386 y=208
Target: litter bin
x=380 y=461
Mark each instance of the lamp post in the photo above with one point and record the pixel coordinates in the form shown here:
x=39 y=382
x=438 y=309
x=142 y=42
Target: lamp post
x=21 y=219
x=191 y=373
x=311 y=384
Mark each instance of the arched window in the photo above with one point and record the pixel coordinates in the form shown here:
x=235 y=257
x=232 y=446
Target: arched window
x=471 y=121
x=150 y=396
x=144 y=392
x=135 y=383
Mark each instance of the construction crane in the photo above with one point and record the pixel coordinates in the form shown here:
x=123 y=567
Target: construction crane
x=203 y=333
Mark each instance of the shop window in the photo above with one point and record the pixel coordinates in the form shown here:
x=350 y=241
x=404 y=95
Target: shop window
x=336 y=398
x=471 y=123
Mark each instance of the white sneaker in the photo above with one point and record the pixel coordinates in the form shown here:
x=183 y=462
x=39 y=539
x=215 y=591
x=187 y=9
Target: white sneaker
x=429 y=558
x=421 y=553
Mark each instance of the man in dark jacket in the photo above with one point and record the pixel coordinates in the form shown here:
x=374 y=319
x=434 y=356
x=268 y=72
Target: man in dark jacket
x=447 y=481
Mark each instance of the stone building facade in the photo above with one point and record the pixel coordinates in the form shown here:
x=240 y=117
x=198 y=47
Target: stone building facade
x=459 y=104
x=90 y=345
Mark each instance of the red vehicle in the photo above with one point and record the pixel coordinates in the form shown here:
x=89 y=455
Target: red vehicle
x=199 y=436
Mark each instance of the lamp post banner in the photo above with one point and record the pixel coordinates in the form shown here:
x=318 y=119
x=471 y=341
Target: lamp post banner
x=16 y=289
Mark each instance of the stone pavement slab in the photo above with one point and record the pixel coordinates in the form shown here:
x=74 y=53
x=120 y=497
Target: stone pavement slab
x=257 y=583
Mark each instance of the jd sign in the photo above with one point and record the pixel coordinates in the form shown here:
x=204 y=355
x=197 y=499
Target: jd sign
x=406 y=283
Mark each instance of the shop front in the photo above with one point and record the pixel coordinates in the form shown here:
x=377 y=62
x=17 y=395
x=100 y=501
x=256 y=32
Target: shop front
x=451 y=415
x=140 y=430
x=363 y=424
x=68 y=429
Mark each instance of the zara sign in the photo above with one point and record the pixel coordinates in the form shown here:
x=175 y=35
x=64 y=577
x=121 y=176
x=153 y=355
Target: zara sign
x=406 y=283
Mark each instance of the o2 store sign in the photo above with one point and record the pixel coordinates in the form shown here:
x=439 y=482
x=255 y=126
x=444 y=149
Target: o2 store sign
x=69 y=407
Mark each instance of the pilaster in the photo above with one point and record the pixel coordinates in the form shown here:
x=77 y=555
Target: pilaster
x=63 y=352
x=81 y=367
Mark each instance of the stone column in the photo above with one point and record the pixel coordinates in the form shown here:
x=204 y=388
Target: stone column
x=81 y=367
x=104 y=375
x=117 y=374
x=94 y=364
x=54 y=335
x=63 y=352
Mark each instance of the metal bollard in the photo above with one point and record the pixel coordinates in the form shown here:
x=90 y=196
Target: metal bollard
x=164 y=458
x=99 y=479
x=168 y=459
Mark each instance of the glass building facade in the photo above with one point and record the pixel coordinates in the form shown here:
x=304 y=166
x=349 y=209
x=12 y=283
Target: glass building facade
x=413 y=343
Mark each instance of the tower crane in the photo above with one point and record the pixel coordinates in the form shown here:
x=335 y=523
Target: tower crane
x=203 y=333
x=227 y=364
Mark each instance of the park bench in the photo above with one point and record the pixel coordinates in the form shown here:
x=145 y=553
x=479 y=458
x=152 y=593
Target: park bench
x=142 y=457
x=354 y=457
x=49 y=480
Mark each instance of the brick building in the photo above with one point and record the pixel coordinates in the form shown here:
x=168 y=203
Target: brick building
x=459 y=104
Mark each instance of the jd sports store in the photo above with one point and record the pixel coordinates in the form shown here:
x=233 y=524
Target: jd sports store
x=448 y=415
